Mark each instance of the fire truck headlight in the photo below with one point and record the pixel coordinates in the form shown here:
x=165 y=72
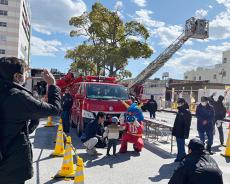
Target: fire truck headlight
x=87 y=114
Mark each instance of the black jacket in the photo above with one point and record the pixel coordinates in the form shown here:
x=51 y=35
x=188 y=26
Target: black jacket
x=93 y=129
x=182 y=123
x=205 y=113
x=18 y=107
x=220 y=110
x=67 y=102
x=151 y=105
x=197 y=168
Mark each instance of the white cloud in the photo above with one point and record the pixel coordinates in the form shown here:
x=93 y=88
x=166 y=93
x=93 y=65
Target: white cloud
x=146 y=62
x=223 y=1
x=41 y=29
x=201 y=13
x=141 y=3
x=168 y=34
x=210 y=6
x=143 y=16
x=188 y=59
x=49 y=16
x=118 y=5
x=219 y=27
x=41 y=47
x=137 y=38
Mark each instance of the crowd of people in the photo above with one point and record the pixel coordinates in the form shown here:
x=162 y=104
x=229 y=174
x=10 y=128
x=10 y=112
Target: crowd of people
x=17 y=123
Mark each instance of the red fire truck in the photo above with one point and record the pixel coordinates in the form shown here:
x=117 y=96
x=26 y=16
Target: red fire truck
x=93 y=94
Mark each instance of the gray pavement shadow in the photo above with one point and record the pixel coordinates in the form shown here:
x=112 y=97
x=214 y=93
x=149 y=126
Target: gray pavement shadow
x=216 y=148
x=44 y=138
x=165 y=172
x=112 y=160
x=158 y=151
x=53 y=181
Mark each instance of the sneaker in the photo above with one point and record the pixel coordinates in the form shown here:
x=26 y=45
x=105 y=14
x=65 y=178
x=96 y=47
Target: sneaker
x=114 y=155
x=108 y=155
x=94 y=151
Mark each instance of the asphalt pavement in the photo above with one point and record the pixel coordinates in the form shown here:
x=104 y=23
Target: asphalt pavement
x=153 y=165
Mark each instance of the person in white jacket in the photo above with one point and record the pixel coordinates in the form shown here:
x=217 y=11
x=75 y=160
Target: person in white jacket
x=112 y=133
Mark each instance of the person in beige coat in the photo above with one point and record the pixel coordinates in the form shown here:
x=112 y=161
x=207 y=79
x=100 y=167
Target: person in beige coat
x=112 y=133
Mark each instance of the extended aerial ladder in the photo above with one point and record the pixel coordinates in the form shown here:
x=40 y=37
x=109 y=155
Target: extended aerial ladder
x=194 y=28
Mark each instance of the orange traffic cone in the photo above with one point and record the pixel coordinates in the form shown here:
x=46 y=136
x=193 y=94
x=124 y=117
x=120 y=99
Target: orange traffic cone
x=67 y=169
x=59 y=146
x=227 y=151
x=79 y=176
x=49 y=122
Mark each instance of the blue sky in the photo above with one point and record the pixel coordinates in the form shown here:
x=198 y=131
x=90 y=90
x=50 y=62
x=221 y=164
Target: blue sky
x=164 y=19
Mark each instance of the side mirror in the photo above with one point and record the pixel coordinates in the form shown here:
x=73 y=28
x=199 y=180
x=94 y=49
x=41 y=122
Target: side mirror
x=79 y=96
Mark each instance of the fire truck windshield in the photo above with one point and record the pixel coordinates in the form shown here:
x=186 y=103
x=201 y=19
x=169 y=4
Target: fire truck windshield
x=106 y=92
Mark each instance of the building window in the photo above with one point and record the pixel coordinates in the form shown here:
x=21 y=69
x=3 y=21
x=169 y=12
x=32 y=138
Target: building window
x=3 y=12
x=2 y=38
x=214 y=76
x=2 y=51
x=194 y=78
x=224 y=60
x=199 y=77
x=186 y=77
x=5 y=2
x=224 y=74
x=3 y=24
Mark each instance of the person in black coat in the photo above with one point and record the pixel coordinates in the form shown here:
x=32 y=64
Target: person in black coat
x=220 y=113
x=93 y=134
x=152 y=107
x=17 y=107
x=181 y=128
x=67 y=102
x=205 y=122
x=197 y=167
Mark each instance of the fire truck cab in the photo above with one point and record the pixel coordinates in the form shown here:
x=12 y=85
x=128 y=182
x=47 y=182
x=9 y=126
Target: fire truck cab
x=93 y=94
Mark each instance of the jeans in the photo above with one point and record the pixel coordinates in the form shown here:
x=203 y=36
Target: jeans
x=220 y=130
x=181 y=148
x=152 y=114
x=209 y=135
x=112 y=142
x=65 y=118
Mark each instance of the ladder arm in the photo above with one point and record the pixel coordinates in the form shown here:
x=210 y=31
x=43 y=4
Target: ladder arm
x=154 y=66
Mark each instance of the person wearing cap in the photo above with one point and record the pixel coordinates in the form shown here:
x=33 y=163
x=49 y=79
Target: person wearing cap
x=181 y=128
x=17 y=107
x=205 y=122
x=220 y=113
x=112 y=133
x=197 y=167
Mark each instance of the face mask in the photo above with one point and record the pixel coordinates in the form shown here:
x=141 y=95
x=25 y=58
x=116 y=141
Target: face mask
x=203 y=103
x=20 y=79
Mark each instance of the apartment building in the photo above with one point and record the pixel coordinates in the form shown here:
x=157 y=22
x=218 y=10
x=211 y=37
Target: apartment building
x=220 y=73
x=15 y=27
